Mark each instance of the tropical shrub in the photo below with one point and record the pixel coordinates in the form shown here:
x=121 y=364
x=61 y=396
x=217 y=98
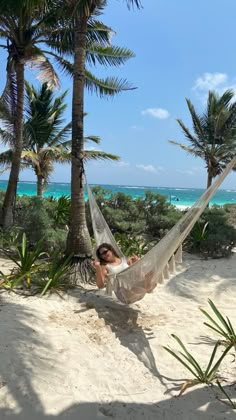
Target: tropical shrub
x=131 y=245
x=61 y=214
x=230 y=210
x=151 y=215
x=212 y=236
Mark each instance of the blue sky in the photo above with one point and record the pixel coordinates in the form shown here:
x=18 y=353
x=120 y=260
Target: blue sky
x=182 y=49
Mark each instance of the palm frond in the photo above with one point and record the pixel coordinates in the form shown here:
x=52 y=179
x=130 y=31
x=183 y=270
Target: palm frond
x=94 y=139
x=98 y=155
x=7 y=137
x=30 y=157
x=106 y=87
x=108 y=55
x=61 y=136
x=188 y=149
x=99 y=33
x=6 y=157
x=47 y=72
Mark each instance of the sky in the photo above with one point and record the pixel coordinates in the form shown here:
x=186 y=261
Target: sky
x=182 y=50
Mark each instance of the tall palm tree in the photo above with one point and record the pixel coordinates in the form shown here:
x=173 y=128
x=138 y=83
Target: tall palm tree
x=32 y=35
x=45 y=140
x=20 y=29
x=80 y=13
x=214 y=133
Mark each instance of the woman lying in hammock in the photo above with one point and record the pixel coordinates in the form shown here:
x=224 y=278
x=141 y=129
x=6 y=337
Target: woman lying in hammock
x=110 y=263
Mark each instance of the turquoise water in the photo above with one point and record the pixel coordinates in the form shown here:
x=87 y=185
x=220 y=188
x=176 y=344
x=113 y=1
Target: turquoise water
x=178 y=196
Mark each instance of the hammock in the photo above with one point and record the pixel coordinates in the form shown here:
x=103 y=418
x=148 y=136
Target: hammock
x=142 y=277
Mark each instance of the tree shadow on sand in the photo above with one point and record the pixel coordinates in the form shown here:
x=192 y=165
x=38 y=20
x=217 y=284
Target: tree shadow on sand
x=18 y=339
x=24 y=360
x=194 y=405
x=126 y=323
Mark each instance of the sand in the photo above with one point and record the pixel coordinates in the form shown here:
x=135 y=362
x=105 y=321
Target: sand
x=89 y=357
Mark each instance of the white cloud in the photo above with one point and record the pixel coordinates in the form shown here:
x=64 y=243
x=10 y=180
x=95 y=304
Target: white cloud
x=210 y=81
x=218 y=82
x=159 y=113
x=147 y=168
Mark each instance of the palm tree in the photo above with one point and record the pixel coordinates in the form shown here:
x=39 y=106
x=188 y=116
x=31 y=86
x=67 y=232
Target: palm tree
x=32 y=35
x=214 y=133
x=45 y=140
x=80 y=13
x=20 y=22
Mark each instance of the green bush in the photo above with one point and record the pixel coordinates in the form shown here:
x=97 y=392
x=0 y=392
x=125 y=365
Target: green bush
x=151 y=216
x=130 y=245
x=212 y=236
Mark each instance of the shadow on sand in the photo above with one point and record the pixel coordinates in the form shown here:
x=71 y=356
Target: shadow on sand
x=23 y=353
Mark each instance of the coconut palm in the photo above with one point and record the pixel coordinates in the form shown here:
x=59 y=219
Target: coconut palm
x=20 y=29
x=80 y=13
x=45 y=140
x=214 y=133
x=32 y=36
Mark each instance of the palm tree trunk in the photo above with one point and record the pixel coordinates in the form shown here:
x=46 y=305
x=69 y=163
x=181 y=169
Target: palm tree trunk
x=10 y=196
x=39 y=186
x=78 y=240
x=209 y=174
x=209 y=179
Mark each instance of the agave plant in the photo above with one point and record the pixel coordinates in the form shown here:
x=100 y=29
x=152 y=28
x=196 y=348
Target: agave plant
x=222 y=325
x=55 y=275
x=206 y=376
x=25 y=260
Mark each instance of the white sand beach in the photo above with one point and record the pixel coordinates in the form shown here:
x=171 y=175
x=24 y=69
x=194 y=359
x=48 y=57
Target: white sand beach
x=89 y=357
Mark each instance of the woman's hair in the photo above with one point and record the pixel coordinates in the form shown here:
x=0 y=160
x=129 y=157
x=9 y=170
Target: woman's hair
x=107 y=246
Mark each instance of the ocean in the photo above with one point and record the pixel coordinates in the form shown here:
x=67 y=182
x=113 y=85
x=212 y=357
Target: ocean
x=181 y=197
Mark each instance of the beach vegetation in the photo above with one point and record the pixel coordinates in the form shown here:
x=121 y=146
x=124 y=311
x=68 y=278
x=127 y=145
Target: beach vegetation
x=221 y=325
x=230 y=210
x=61 y=212
x=197 y=236
x=205 y=376
x=55 y=276
x=213 y=137
x=26 y=261
x=151 y=216
x=212 y=236
x=131 y=245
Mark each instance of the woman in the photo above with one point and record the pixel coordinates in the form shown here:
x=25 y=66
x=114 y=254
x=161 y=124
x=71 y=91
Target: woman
x=110 y=263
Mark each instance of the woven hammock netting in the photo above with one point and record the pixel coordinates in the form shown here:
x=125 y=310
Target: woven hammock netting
x=142 y=277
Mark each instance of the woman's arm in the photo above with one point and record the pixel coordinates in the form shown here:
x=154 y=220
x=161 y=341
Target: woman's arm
x=101 y=272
